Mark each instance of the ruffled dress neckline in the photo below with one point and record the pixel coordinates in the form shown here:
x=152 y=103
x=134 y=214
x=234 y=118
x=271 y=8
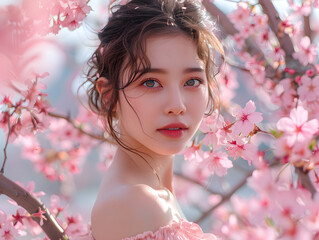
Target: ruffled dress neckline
x=176 y=230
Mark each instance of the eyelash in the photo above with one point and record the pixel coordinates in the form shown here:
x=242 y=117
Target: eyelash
x=196 y=79
x=149 y=80
x=153 y=80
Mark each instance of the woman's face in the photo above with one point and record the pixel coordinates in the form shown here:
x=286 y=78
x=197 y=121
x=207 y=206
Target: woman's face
x=161 y=111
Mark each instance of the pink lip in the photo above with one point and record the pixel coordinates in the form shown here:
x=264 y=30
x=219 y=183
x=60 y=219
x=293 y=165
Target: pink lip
x=173 y=133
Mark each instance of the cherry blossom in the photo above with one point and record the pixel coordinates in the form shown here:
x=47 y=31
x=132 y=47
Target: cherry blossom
x=216 y=162
x=259 y=22
x=297 y=128
x=238 y=147
x=193 y=153
x=284 y=94
x=277 y=54
x=307 y=52
x=240 y=17
x=281 y=207
x=75 y=226
x=309 y=88
x=40 y=215
x=303 y=10
x=19 y=216
x=8 y=232
x=212 y=126
x=246 y=119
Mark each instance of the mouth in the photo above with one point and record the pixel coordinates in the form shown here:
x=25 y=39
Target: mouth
x=174 y=126
x=174 y=130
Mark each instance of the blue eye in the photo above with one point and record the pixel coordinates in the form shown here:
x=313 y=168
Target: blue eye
x=150 y=83
x=193 y=82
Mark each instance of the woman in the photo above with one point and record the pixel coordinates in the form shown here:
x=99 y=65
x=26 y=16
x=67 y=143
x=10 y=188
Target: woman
x=152 y=82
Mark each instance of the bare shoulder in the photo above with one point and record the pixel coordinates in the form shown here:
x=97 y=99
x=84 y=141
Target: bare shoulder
x=128 y=211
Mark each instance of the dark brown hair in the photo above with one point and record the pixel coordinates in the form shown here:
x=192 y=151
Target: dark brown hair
x=122 y=49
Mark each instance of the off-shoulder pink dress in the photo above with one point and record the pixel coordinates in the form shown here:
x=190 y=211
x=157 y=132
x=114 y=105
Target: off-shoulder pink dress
x=177 y=230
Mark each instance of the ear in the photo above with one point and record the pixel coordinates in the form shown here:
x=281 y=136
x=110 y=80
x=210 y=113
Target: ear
x=100 y=85
x=101 y=88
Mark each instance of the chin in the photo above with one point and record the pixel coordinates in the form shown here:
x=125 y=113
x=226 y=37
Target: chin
x=172 y=150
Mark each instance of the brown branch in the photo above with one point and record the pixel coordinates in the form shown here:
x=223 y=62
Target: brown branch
x=307 y=28
x=241 y=68
x=6 y=145
x=222 y=19
x=305 y=180
x=229 y=28
x=274 y=21
x=50 y=226
x=98 y=137
x=224 y=198
x=195 y=182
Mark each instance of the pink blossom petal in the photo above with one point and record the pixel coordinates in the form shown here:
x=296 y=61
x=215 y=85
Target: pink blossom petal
x=247 y=128
x=310 y=127
x=250 y=107
x=255 y=117
x=237 y=112
x=315 y=81
x=305 y=80
x=299 y=115
x=305 y=42
x=286 y=124
x=237 y=128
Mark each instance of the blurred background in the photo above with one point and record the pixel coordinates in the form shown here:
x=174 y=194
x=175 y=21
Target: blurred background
x=64 y=56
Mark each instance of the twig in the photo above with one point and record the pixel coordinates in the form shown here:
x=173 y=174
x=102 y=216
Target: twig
x=224 y=198
x=68 y=119
x=307 y=28
x=221 y=17
x=274 y=21
x=229 y=28
x=305 y=180
x=234 y=65
x=195 y=182
x=50 y=226
x=6 y=145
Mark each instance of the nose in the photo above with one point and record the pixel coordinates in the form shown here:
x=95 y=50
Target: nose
x=175 y=104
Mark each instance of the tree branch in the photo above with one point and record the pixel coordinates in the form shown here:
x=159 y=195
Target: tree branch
x=234 y=65
x=195 y=182
x=98 y=137
x=274 y=21
x=9 y=188
x=229 y=28
x=224 y=198
x=307 y=28
x=222 y=19
x=305 y=180
x=6 y=145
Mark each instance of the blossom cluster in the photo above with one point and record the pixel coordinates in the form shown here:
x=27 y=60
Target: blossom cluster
x=21 y=223
x=234 y=137
x=45 y=16
x=278 y=211
x=283 y=206
x=27 y=115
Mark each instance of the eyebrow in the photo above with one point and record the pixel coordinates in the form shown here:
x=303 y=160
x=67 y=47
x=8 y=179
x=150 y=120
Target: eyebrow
x=163 y=71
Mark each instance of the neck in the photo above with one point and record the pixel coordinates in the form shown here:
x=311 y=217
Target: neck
x=144 y=168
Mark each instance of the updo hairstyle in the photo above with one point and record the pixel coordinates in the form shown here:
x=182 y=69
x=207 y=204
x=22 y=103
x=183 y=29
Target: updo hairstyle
x=122 y=49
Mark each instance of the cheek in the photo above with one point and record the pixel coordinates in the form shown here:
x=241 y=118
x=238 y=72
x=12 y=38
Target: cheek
x=132 y=111
x=199 y=101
